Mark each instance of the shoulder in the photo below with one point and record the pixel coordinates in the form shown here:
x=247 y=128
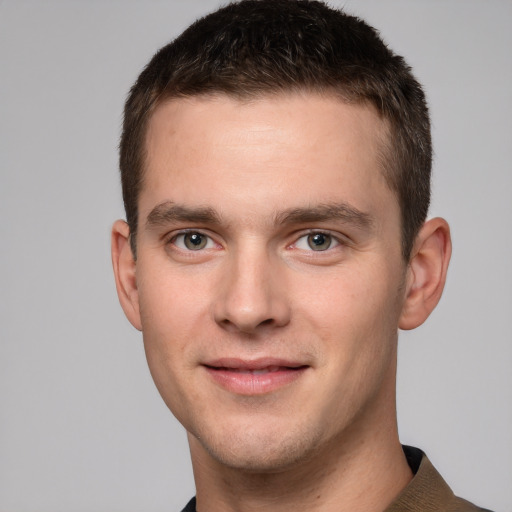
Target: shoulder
x=191 y=506
x=427 y=491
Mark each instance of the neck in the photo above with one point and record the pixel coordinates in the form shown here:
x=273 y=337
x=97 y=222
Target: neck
x=362 y=470
x=343 y=487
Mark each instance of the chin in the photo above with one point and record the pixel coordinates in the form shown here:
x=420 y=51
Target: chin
x=263 y=451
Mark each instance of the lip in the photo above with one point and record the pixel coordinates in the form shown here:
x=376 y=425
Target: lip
x=254 y=377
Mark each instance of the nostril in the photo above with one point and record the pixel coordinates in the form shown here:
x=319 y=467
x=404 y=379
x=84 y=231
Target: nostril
x=247 y=326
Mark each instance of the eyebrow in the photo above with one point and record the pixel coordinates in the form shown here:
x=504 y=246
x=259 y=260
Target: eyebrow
x=169 y=212
x=324 y=212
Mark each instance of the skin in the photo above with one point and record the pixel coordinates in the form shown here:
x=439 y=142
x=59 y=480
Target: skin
x=255 y=182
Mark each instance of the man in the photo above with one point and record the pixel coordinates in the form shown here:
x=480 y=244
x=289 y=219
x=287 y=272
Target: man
x=275 y=163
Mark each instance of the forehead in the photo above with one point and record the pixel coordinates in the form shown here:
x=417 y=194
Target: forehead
x=315 y=115
x=273 y=150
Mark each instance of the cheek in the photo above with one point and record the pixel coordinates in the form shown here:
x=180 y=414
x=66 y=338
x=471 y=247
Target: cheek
x=355 y=320
x=355 y=312
x=171 y=321
x=172 y=301
x=353 y=295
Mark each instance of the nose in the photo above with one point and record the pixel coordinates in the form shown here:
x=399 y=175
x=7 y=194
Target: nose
x=252 y=295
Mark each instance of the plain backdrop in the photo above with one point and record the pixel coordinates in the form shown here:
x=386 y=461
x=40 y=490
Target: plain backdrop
x=82 y=427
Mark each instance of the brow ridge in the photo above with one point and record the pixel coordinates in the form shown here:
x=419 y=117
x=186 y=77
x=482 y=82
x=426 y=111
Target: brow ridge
x=323 y=212
x=168 y=211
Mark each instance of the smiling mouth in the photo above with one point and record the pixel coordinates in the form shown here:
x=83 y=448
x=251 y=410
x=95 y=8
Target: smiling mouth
x=254 y=378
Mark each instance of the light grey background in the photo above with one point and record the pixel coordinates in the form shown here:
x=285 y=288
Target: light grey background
x=82 y=427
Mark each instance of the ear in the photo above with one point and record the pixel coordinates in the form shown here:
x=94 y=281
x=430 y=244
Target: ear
x=426 y=273
x=124 y=272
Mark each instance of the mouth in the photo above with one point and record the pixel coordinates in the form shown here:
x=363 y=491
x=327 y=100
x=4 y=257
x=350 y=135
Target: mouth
x=254 y=377
x=262 y=371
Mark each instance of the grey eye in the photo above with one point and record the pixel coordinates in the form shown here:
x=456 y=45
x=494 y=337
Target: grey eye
x=319 y=241
x=195 y=241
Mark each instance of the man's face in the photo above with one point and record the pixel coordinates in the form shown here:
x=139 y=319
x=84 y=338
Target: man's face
x=269 y=275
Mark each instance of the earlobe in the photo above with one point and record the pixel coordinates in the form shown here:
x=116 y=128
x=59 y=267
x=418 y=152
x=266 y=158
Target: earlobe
x=124 y=272
x=426 y=274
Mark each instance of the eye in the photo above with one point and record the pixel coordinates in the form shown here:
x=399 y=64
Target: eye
x=316 y=242
x=193 y=241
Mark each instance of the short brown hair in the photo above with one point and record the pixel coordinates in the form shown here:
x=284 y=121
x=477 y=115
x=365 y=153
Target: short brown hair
x=259 y=47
